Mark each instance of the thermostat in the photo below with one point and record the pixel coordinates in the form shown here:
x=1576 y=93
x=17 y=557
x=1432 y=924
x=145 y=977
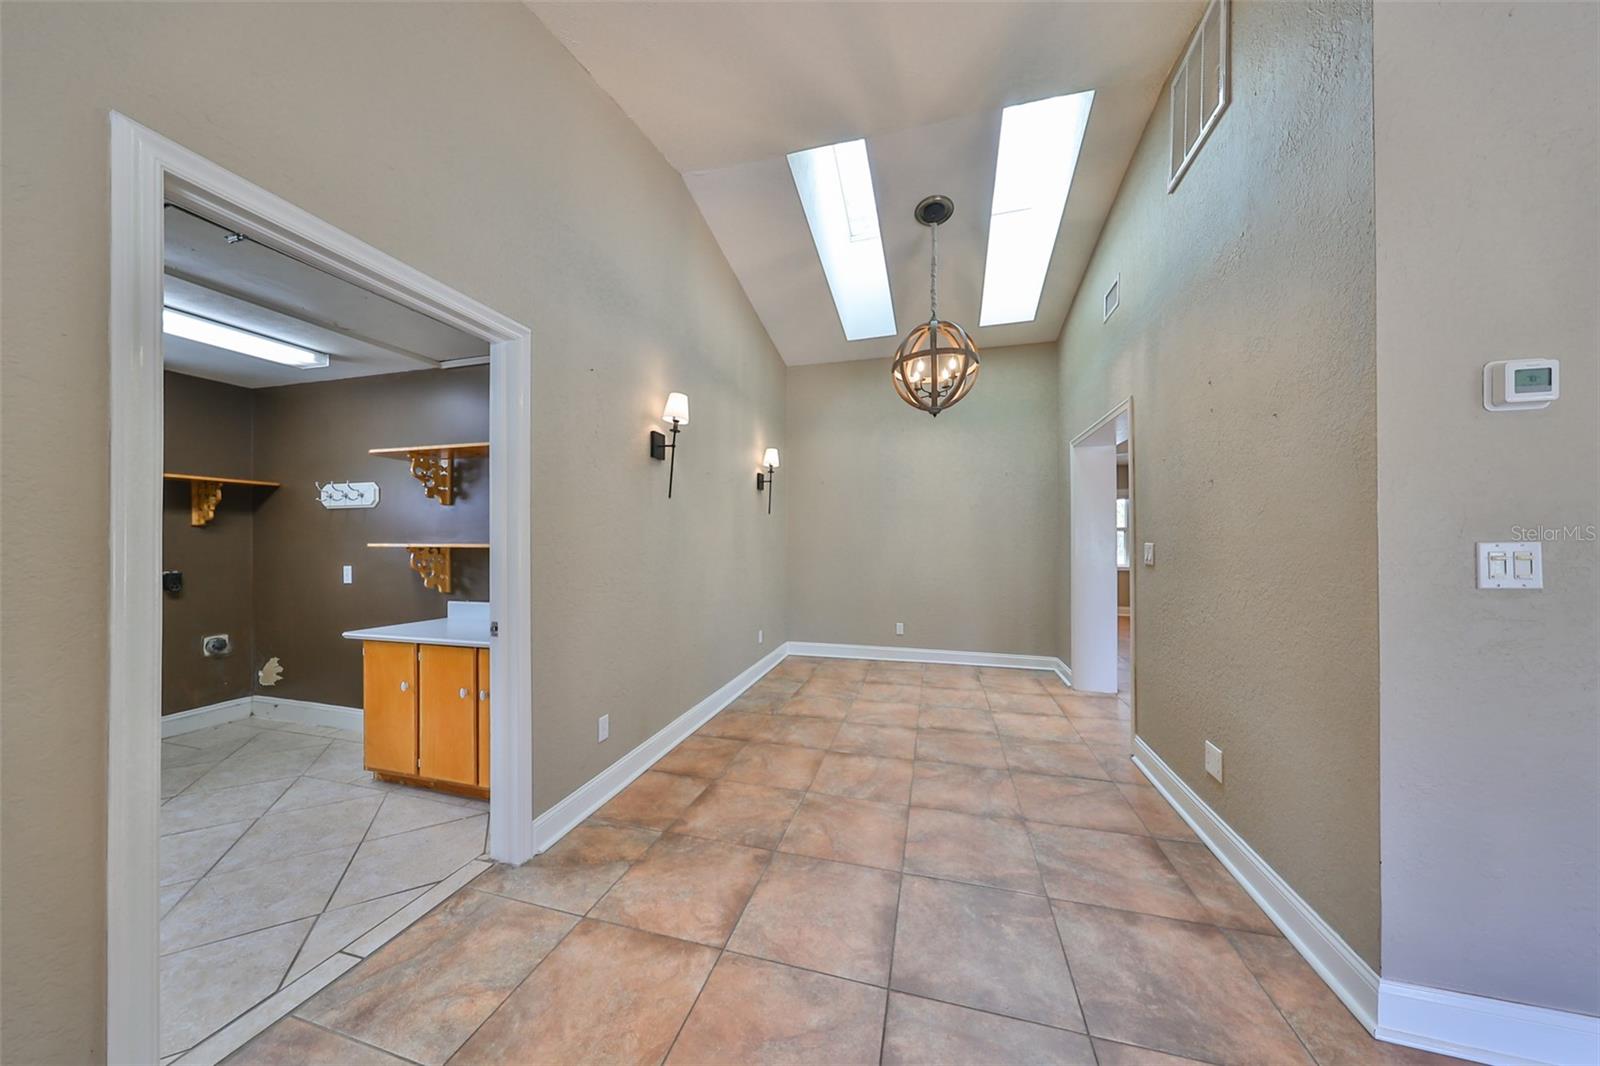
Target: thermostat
x=1521 y=384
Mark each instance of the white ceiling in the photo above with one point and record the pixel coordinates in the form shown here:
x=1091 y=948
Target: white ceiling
x=255 y=288
x=726 y=91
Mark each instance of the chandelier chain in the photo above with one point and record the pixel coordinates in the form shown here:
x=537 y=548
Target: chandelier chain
x=933 y=278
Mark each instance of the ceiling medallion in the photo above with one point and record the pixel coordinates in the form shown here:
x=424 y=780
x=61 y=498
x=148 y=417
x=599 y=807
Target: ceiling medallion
x=936 y=364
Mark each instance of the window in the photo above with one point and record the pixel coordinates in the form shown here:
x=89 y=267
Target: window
x=1124 y=560
x=1199 y=91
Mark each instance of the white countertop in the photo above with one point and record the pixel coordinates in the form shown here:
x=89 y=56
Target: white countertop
x=466 y=625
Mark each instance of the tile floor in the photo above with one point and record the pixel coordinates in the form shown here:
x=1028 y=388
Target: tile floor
x=855 y=862
x=277 y=851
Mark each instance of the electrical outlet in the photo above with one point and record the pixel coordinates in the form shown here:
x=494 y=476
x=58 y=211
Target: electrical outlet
x=761 y=638
x=1213 y=760
x=605 y=727
x=216 y=646
x=349 y=574
x=899 y=629
x=1149 y=554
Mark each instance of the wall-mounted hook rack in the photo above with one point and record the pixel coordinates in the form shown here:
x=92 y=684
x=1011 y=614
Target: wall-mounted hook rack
x=336 y=495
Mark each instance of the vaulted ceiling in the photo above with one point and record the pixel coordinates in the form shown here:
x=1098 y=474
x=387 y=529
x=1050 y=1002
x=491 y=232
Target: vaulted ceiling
x=726 y=91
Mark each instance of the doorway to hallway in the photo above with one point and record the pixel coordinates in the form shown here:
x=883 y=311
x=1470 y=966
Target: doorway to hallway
x=1101 y=547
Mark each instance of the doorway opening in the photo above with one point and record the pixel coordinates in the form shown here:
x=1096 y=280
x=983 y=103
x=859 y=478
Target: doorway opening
x=1100 y=468
x=159 y=191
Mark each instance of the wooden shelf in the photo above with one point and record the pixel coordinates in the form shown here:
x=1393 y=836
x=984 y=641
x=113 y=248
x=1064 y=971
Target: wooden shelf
x=434 y=465
x=205 y=492
x=431 y=561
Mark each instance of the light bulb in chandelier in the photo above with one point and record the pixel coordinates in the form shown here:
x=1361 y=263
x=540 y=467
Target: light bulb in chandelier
x=935 y=341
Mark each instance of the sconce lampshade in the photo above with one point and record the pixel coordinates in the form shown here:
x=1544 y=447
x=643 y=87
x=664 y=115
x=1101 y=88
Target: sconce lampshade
x=677 y=409
x=770 y=459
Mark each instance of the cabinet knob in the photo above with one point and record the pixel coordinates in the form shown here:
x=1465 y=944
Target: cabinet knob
x=462 y=693
x=405 y=686
x=483 y=694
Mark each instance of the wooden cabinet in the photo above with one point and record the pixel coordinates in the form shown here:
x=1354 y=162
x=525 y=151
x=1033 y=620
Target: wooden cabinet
x=427 y=714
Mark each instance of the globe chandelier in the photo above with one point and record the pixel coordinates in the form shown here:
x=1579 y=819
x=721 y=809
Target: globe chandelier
x=936 y=364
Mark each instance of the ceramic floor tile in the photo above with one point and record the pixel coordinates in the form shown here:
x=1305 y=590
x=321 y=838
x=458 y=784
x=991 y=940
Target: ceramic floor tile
x=1112 y=870
x=293 y=1042
x=186 y=856
x=970 y=699
x=229 y=732
x=1111 y=1053
x=755 y=703
x=1051 y=757
x=775 y=765
x=576 y=871
x=833 y=707
x=1228 y=904
x=654 y=800
x=1177 y=987
x=847 y=830
x=825 y=916
x=957 y=719
x=883 y=672
x=842 y=669
x=1023 y=703
x=242 y=769
x=732 y=811
x=963 y=847
x=606 y=994
x=969 y=749
x=1000 y=679
x=174 y=754
x=1034 y=727
x=279 y=836
x=1075 y=801
x=983 y=948
x=888 y=742
x=867 y=777
x=341 y=761
x=753 y=1011
x=1156 y=813
x=336 y=929
x=969 y=789
x=923 y=1032
x=281 y=740
x=1103 y=731
x=778 y=687
x=227 y=904
x=403 y=811
x=794 y=669
x=942 y=675
x=1326 y=1027
x=685 y=887
x=406 y=860
x=427 y=990
x=698 y=756
x=875 y=712
x=880 y=692
x=806 y=732
x=204 y=988
x=837 y=690
x=172 y=893
x=739 y=725
x=175 y=779
x=1119 y=768
x=205 y=809
x=315 y=792
x=1077 y=706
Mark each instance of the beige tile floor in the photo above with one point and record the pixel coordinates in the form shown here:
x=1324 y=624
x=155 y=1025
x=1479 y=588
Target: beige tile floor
x=856 y=862
x=277 y=851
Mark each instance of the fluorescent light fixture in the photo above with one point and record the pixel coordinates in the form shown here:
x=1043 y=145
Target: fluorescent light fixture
x=835 y=186
x=218 y=335
x=1039 y=145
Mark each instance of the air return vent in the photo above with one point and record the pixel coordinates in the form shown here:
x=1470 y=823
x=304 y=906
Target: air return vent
x=1113 y=298
x=1199 y=92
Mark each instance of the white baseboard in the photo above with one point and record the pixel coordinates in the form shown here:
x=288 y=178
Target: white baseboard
x=1484 y=1029
x=307 y=712
x=1352 y=980
x=933 y=655
x=174 y=725
x=555 y=823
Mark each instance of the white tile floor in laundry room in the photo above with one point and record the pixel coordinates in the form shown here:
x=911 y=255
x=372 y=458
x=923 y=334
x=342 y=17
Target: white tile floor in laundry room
x=278 y=851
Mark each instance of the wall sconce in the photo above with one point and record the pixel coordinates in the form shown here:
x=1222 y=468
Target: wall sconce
x=676 y=412
x=766 y=477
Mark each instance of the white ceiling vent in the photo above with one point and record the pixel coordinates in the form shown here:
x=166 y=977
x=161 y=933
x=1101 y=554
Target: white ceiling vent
x=1199 y=92
x=1113 y=297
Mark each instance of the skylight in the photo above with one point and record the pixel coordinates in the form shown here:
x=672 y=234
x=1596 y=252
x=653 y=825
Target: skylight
x=835 y=186
x=1039 y=144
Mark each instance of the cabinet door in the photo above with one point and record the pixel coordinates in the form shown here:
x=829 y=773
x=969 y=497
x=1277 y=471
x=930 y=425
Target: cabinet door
x=389 y=682
x=483 y=717
x=447 y=679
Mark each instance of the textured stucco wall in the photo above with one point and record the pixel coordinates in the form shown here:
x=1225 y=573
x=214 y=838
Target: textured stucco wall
x=1489 y=248
x=464 y=140
x=1246 y=339
x=947 y=524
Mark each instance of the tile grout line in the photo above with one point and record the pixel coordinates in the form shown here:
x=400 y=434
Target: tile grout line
x=333 y=892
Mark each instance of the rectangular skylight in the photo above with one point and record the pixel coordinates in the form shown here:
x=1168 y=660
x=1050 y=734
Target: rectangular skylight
x=1039 y=145
x=835 y=186
x=220 y=335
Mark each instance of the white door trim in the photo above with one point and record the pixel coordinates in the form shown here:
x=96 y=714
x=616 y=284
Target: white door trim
x=1091 y=549
x=148 y=170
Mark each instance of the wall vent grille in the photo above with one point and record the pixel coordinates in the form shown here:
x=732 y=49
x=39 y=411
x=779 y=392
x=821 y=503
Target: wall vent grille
x=1113 y=297
x=1199 y=93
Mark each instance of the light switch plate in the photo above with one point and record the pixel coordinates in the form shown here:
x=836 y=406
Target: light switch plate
x=1517 y=564
x=899 y=629
x=1213 y=760
x=605 y=727
x=1149 y=554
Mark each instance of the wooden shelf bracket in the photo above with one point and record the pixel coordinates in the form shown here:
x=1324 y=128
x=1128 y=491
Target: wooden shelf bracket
x=437 y=473
x=203 y=499
x=432 y=565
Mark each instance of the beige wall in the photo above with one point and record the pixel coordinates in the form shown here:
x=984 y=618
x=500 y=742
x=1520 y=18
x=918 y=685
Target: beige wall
x=465 y=141
x=947 y=524
x=1488 y=248
x=1245 y=337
